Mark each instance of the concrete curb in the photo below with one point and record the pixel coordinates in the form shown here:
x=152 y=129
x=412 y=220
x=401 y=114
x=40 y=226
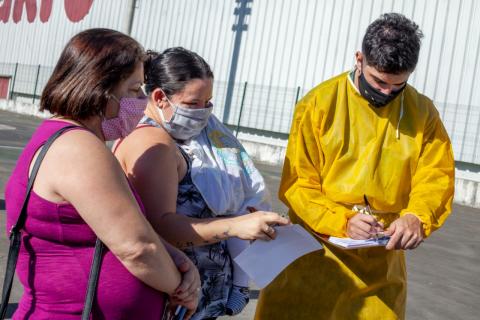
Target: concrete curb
x=23 y=108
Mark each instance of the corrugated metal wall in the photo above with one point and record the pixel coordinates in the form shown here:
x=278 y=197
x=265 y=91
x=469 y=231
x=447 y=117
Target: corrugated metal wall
x=40 y=42
x=280 y=49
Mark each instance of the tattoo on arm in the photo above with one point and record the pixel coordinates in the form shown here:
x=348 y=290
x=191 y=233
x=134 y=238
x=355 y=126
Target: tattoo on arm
x=226 y=233
x=184 y=245
x=216 y=238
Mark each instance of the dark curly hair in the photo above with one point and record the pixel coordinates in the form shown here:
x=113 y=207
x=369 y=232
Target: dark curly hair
x=173 y=68
x=392 y=44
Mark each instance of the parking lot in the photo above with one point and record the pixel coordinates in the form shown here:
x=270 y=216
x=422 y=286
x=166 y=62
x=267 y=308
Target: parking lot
x=444 y=272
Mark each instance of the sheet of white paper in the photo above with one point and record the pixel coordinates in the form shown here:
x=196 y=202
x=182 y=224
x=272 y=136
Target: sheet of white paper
x=349 y=243
x=264 y=260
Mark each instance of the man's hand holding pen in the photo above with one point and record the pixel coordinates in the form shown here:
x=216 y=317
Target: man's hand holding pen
x=405 y=232
x=364 y=225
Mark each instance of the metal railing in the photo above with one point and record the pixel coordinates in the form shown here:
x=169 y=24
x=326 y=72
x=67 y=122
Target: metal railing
x=262 y=109
x=26 y=81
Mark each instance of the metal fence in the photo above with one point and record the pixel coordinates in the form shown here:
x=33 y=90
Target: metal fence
x=256 y=108
x=266 y=54
x=261 y=108
x=265 y=110
x=26 y=81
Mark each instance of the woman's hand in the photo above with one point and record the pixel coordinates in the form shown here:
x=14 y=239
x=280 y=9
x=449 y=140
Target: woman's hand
x=257 y=225
x=188 y=293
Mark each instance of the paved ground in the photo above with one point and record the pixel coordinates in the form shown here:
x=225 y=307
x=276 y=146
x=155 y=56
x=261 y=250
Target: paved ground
x=444 y=273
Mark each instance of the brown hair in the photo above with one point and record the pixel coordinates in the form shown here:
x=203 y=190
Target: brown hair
x=91 y=65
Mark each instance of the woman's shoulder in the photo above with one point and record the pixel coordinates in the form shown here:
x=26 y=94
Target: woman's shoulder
x=150 y=139
x=77 y=155
x=149 y=143
x=78 y=140
x=147 y=136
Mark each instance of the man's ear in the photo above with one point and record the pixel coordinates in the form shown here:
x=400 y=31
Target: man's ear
x=359 y=60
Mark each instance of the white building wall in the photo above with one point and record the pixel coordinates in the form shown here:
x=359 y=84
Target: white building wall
x=202 y=26
x=41 y=43
x=291 y=44
x=288 y=47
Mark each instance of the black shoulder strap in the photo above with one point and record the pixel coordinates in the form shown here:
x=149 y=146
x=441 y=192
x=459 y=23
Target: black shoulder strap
x=15 y=233
x=93 y=280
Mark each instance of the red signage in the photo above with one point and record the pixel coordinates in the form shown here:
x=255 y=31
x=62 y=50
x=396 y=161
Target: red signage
x=4 y=87
x=75 y=10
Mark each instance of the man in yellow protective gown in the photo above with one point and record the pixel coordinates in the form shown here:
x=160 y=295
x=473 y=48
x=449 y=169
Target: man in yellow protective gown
x=364 y=132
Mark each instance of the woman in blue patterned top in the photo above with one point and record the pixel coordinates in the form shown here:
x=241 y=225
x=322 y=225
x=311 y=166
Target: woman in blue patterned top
x=179 y=84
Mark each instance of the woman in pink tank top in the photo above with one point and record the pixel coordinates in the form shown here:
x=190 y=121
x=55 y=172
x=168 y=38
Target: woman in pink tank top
x=81 y=193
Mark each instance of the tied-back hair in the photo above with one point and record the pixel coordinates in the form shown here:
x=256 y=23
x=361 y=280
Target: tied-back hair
x=172 y=69
x=91 y=65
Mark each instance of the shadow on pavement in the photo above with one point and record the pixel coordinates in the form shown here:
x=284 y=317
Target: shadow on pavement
x=2 y=204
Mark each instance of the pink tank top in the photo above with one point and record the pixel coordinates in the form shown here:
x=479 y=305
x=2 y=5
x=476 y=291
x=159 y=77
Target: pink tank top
x=57 y=252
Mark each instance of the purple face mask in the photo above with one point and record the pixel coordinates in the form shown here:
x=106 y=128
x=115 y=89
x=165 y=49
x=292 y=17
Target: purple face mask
x=130 y=112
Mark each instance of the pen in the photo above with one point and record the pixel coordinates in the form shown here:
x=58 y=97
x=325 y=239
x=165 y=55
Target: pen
x=180 y=313
x=368 y=210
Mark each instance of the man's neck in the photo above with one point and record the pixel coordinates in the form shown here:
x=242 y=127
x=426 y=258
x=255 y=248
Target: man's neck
x=356 y=75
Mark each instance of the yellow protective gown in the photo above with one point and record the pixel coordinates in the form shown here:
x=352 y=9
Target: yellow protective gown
x=340 y=148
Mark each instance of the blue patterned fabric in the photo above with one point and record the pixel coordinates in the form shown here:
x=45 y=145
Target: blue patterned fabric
x=238 y=299
x=213 y=260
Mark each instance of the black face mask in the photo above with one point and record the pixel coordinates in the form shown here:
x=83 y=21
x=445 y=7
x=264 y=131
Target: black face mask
x=375 y=97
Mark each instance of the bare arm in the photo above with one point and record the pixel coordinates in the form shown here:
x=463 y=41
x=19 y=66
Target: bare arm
x=88 y=177
x=149 y=158
x=188 y=292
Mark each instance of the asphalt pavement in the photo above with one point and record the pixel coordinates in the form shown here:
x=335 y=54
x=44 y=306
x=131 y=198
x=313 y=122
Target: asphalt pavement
x=443 y=273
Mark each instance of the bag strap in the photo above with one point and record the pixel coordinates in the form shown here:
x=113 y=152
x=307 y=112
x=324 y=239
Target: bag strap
x=9 y=272
x=15 y=232
x=93 y=280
